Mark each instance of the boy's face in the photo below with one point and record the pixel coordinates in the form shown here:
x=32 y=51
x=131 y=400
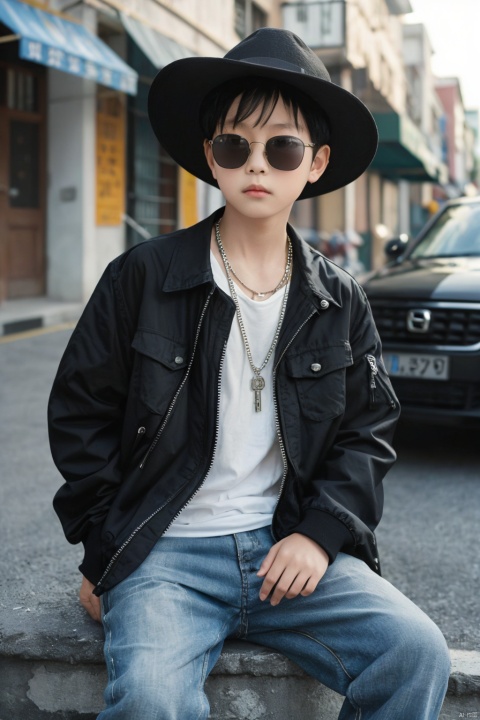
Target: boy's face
x=256 y=189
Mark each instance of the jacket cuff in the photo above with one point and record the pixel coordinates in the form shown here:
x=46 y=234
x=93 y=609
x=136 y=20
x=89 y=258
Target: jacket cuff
x=91 y=566
x=328 y=532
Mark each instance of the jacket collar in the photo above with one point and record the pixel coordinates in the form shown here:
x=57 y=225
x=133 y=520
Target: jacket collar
x=315 y=273
x=190 y=264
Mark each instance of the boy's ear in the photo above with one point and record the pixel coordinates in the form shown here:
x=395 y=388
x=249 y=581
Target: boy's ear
x=209 y=156
x=319 y=164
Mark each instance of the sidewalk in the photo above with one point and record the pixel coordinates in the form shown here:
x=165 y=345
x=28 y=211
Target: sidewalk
x=32 y=313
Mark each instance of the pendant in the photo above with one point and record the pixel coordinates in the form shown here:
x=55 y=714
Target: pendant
x=257 y=385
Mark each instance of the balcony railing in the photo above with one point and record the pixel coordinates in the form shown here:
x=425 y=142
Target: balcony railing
x=320 y=24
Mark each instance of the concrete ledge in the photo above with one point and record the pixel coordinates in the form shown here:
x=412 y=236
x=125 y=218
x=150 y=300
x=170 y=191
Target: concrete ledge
x=51 y=667
x=248 y=683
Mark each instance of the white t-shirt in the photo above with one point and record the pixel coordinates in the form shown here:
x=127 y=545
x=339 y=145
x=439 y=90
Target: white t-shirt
x=241 y=490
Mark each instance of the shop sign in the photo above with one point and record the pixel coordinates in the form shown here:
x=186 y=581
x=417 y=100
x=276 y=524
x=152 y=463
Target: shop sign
x=110 y=158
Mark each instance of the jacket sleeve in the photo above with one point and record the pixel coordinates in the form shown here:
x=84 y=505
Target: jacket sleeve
x=85 y=414
x=346 y=500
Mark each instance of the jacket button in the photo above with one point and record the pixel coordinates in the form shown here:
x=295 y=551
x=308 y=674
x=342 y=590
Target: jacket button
x=315 y=367
x=141 y=430
x=324 y=304
x=178 y=360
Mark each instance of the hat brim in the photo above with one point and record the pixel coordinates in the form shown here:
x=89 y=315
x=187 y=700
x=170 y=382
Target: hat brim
x=178 y=90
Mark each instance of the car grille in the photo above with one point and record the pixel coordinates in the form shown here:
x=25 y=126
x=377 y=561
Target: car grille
x=448 y=326
x=447 y=396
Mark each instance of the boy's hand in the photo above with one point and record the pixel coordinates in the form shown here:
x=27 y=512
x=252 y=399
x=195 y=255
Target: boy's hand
x=90 y=602
x=294 y=566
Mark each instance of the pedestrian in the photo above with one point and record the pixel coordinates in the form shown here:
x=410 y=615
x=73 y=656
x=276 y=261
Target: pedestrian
x=223 y=419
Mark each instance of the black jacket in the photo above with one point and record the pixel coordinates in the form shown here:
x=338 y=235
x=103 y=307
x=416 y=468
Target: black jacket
x=133 y=409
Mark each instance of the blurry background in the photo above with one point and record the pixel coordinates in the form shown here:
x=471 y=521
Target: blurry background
x=82 y=177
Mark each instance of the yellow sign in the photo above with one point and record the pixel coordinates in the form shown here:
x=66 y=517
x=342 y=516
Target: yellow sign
x=110 y=157
x=188 y=199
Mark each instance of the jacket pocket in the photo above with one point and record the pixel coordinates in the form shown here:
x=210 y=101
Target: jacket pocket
x=319 y=377
x=159 y=370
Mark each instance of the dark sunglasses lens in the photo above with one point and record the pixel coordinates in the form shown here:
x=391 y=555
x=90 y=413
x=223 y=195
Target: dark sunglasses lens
x=285 y=152
x=230 y=151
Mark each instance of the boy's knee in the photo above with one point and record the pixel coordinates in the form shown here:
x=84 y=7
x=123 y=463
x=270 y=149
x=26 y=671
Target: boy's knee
x=419 y=646
x=436 y=649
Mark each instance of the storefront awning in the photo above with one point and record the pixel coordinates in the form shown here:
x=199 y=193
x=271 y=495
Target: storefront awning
x=51 y=40
x=403 y=152
x=158 y=48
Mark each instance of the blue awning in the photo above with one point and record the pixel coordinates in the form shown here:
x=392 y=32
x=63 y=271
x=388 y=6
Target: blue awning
x=50 y=40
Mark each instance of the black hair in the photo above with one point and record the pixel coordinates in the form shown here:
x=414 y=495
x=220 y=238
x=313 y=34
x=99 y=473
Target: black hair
x=261 y=93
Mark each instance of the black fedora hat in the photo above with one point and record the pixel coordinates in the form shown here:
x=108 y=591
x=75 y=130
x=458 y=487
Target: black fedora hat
x=179 y=88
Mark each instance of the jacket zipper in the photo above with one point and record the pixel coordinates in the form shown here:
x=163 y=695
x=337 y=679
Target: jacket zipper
x=215 y=443
x=117 y=554
x=277 y=419
x=180 y=388
x=373 y=374
x=373 y=385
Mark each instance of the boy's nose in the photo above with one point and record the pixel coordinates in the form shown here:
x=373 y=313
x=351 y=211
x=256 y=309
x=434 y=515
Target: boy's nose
x=257 y=160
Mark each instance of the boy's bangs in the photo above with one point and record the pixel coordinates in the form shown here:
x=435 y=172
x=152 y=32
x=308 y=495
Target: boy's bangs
x=262 y=96
x=264 y=100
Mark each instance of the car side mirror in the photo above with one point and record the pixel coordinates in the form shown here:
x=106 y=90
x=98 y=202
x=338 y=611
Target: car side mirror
x=396 y=246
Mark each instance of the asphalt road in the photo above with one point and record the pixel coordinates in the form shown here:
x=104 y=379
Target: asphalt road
x=428 y=537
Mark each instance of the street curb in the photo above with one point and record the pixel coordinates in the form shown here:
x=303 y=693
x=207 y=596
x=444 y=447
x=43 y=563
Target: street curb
x=19 y=316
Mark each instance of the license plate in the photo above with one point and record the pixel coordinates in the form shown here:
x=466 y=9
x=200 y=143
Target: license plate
x=429 y=367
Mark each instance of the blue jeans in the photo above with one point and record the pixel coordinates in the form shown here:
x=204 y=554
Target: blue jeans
x=166 y=623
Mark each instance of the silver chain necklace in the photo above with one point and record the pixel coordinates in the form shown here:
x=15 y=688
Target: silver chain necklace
x=284 y=280
x=258 y=382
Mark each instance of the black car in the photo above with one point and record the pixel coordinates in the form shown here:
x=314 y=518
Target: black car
x=426 y=303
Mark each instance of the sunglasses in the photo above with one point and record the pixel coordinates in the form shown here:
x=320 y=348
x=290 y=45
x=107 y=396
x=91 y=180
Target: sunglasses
x=283 y=152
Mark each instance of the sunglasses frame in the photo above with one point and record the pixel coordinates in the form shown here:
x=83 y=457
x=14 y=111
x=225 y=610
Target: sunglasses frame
x=258 y=142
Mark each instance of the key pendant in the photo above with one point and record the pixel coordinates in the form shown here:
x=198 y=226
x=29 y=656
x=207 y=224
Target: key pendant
x=257 y=385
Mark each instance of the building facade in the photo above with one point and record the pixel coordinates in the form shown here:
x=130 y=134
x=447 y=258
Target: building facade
x=363 y=46
x=84 y=177
x=458 y=141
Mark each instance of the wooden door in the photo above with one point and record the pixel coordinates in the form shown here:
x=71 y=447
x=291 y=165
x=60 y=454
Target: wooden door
x=22 y=181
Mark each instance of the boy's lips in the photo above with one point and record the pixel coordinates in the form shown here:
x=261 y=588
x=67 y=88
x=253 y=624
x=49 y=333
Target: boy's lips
x=257 y=189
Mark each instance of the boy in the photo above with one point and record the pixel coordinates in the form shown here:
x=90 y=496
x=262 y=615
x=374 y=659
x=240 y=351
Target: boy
x=223 y=419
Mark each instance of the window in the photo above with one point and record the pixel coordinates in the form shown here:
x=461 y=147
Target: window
x=18 y=89
x=248 y=17
x=302 y=14
x=259 y=18
x=241 y=18
x=24 y=164
x=152 y=174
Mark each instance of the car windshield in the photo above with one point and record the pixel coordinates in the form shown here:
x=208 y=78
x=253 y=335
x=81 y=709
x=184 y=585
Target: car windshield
x=455 y=233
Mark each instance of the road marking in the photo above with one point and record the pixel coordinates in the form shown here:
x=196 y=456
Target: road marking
x=34 y=333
